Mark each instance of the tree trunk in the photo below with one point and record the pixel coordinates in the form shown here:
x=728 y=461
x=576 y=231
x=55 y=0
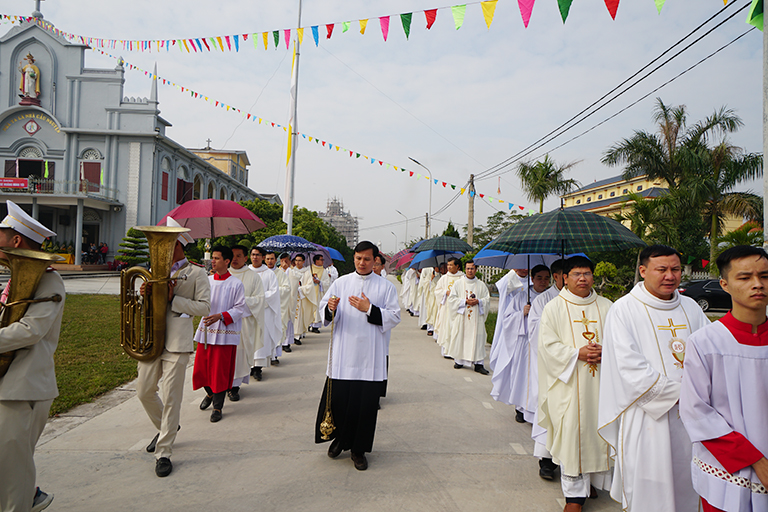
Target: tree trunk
x=712 y=242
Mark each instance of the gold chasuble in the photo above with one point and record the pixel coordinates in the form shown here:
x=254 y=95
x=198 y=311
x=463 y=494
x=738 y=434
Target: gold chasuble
x=568 y=387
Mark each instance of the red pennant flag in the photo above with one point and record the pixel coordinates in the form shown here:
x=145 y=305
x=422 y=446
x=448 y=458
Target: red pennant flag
x=704 y=263
x=411 y=173
x=431 y=14
x=443 y=184
x=217 y=104
x=273 y=125
x=482 y=195
x=613 y=6
x=248 y=116
x=245 y=37
x=329 y=28
x=350 y=153
x=323 y=143
x=521 y=207
x=206 y=44
x=381 y=163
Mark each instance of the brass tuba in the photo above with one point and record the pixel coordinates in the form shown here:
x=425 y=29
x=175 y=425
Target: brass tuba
x=27 y=268
x=142 y=320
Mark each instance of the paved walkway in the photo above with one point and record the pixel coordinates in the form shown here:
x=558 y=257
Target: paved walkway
x=442 y=444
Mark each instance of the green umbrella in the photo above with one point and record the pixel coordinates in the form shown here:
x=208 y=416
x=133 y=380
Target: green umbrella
x=444 y=243
x=566 y=232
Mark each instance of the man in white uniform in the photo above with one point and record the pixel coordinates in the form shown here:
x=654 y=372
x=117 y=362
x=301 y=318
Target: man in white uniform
x=270 y=260
x=250 y=341
x=363 y=308
x=293 y=305
x=508 y=286
x=443 y=288
x=306 y=301
x=724 y=399
x=190 y=296
x=407 y=292
x=467 y=306
x=570 y=337
x=272 y=327
x=646 y=333
x=425 y=277
x=28 y=388
x=321 y=282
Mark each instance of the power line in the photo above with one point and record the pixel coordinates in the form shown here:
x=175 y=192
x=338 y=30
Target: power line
x=492 y=171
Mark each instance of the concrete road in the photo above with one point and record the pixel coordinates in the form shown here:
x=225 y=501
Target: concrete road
x=442 y=444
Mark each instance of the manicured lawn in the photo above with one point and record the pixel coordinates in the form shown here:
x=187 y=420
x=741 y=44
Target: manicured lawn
x=89 y=359
x=490 y=325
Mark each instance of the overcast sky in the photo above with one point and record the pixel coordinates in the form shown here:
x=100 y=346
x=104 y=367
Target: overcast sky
x=457 y=101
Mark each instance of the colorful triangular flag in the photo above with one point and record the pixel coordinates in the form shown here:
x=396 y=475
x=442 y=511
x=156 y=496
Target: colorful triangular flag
x=458 y=12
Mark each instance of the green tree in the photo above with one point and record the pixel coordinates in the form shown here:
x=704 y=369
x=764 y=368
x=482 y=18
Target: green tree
x=545 y=178
x=495 y=225
x=749 y=233
x=135 y=250
x=450 y=230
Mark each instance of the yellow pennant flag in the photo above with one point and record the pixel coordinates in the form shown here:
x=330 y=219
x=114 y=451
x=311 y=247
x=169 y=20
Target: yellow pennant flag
x=290 y=134
x=221 y=43
x=363 y=24
x=266 y=40
x=185 y=44
x=489 y=8
x=462 y=191
x=300 y=31
x=227 y=108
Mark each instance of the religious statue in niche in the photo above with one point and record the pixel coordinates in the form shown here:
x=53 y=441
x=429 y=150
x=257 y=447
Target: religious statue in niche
x=30 y=82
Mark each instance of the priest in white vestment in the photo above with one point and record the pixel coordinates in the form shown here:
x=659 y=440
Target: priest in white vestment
x=511 y=376
x=408 y=291
x=467 y=307
x=443 y=324
x=293 y=303
x=218 y=334
x=284 y=285
x=254 y=299
x=322 y=282
x=538 y=433
x=507 y=287
x=272 y=328
x=306 y=299
x=425 y=276
x=362 y=308
x=332 y=272
x=570 y=337
x=724 y=397
x=646 y=333
x=430 y=303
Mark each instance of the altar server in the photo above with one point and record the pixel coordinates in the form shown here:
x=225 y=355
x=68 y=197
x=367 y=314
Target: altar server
x=646 y=333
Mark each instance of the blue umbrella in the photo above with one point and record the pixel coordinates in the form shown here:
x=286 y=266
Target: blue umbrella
x=286 y=243
x=335 y=254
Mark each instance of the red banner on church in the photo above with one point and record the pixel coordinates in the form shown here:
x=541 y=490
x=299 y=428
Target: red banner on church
x=14 y=183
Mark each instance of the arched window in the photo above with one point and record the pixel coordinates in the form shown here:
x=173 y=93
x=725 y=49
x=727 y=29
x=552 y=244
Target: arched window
x=210 y=191
x=165 y=168
x=222 y=193
x=232 y=197
x=197 y=188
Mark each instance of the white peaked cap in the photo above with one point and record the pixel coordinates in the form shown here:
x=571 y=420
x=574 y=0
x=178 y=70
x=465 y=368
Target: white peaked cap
x=184 y=238
x=18 y=220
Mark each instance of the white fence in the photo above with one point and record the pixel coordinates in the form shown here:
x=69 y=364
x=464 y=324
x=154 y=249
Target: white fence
x=693 y=276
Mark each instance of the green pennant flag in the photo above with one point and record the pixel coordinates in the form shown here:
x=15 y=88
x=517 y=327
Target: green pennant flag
x=565 y=7
x=406 y=20
x=357 y=155
x=453 y=187
x=458 y=12
x=276 y=35
x=690 y=259
x=659 y=5
x=755 y=16
x=344 y=26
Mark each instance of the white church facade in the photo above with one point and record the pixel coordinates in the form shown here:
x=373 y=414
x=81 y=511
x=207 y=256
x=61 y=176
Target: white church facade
x=82 y=158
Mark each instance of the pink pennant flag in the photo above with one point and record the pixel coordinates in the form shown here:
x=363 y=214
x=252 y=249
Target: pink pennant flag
x=526 y=8
x=229 y=44
x=384 y=22
x=287 y=32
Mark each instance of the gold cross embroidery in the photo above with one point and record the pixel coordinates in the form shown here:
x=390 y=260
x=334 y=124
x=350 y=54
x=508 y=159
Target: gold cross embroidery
x=585 y=321
x=589 y=336
x=672 y=327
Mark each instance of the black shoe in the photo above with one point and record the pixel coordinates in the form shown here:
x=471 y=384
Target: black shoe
x=592 y=492
x=151 y=446
x=335 y=449
x=163 y=467
x=519 y=417
x=275 y=361
x=215 y=416
x=547 y=469
x=424 y=327
x=430 y=333
x=256 y=372
x=361 y=463
x=457 y=366
x=207 y=401
x=447 y=357
x=234 y=394
x=481 y=369
x=315 y=330
x=410 y=313
x=287 y=348
x=297 y=342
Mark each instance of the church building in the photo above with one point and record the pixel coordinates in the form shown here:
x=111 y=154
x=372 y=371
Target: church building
x=82 y=158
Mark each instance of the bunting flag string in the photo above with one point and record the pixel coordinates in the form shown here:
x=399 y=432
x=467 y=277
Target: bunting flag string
x=310 y=138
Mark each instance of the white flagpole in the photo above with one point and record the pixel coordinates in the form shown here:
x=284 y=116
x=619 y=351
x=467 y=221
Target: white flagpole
x=290 y=172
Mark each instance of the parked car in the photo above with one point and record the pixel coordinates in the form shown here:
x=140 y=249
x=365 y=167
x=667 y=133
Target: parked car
x=707 y=293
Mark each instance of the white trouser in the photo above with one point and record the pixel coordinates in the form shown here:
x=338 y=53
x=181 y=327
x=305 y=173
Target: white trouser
x=164 y=413
x=21 y=423
x=288 y=334
x=579 y=486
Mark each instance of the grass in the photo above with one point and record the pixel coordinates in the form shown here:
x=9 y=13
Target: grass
x=89 y=359
x=490 y=325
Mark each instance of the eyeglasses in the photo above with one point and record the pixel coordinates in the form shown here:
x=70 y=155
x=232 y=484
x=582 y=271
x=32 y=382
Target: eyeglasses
x=579 y=275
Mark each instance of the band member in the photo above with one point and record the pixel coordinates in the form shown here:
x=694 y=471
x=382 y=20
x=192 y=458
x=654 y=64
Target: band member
x=189 y=295
x=29 y=387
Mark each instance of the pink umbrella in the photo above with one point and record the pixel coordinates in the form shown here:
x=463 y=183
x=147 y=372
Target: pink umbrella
x=403 y=260
x=212 y=218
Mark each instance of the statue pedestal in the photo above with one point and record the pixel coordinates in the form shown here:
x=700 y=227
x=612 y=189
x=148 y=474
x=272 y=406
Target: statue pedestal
x=26 y=100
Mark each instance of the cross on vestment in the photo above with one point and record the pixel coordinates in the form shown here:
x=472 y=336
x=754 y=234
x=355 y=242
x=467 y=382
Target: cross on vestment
x=589 y=336
x=672 y=327
x=676 y=345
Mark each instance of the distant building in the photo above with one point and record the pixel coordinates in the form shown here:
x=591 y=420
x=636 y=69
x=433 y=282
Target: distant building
x=607 y=197
x=344 y=222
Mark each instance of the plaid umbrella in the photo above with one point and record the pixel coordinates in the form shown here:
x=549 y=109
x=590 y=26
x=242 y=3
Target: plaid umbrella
x=566 y=231
x=444 y=243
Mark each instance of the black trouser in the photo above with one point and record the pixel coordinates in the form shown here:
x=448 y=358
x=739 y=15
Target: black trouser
x=218 y=398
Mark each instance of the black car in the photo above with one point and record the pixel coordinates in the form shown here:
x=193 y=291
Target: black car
x=707 y=293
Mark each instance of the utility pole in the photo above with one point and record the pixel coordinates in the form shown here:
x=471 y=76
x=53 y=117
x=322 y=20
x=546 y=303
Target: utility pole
x=471 y=213
x=426 y=225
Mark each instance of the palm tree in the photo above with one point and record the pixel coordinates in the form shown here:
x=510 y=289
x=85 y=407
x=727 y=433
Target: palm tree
x=545 y=178
x=749 y=233
x=711 y=185
x=671 y=153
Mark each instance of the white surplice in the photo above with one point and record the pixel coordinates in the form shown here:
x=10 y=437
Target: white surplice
x=359 y=347
x=568 y=387
x=425 y=278
x=443 y=322
x=250 y=341
x=227 y=295
x=466 y=337
x=724 y=390
x=511 y=373
x=642 y=370
x=284 y=284
x=273 y=327
x=507 y=286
